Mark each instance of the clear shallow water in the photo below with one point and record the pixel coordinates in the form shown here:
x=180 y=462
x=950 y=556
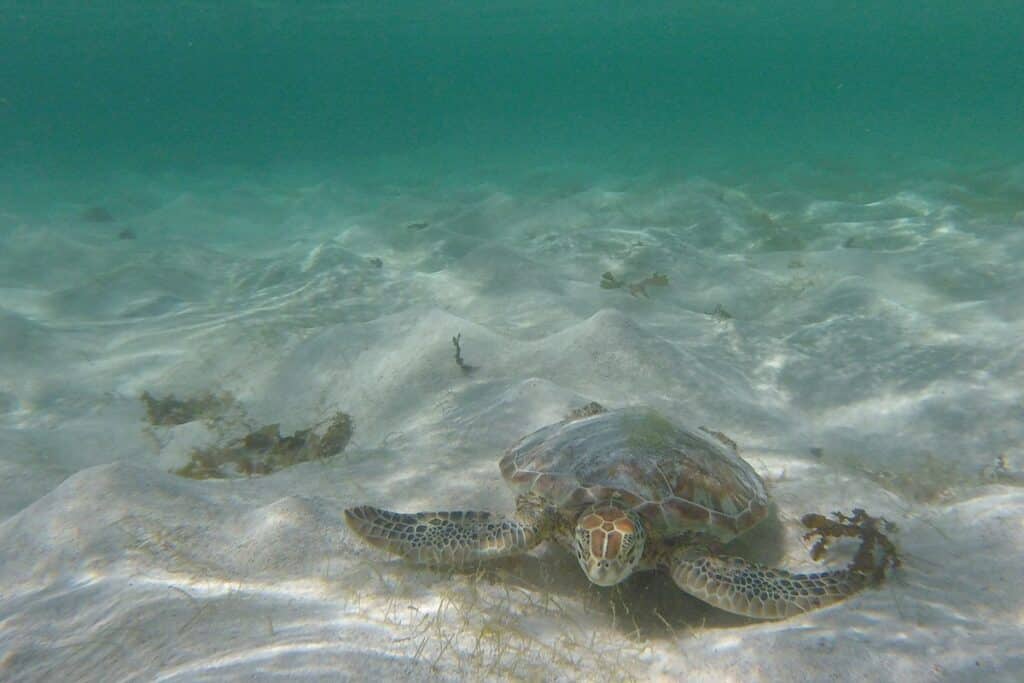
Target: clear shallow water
x=629 y=86
x=302 y=204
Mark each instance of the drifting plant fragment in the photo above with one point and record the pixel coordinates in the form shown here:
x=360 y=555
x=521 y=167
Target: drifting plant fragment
x=463 y=365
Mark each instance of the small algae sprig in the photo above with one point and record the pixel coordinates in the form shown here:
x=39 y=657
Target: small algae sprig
x=265 y=451
x=999 y=472
x=719 y=313
x=463 y=365
x=638 y=288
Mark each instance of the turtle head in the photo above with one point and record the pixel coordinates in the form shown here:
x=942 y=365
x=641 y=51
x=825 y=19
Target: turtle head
x=609 y=543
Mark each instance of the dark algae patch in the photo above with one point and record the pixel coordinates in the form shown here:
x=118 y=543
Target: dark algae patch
x=636 y=289
x=171 y=410
x=589 y=410
x=719 y=313
x=930 y=479
x=260 y=451
x=96 y=214
x=266 y=450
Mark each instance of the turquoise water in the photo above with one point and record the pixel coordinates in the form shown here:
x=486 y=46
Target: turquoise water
x=447 y=87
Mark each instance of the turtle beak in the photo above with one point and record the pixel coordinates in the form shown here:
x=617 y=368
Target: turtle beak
x=601 y=573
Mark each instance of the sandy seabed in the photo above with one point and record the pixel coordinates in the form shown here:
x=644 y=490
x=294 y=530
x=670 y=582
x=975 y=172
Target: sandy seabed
x=862 y=345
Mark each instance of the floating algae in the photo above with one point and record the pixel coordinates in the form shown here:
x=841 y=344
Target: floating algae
x=265 y=451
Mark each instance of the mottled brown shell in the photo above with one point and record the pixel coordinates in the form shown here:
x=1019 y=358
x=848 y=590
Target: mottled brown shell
x=677 y=479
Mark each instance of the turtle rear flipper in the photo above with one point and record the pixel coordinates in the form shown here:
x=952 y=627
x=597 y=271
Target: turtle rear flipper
x=443 y=538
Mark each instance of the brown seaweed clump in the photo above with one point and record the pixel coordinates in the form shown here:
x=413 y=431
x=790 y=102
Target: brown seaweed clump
x=638 y=288
x=265 y=451
x=170 y=410
x=860 y=525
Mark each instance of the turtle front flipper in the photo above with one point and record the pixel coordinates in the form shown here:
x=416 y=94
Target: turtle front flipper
x=753 y=590
x=443 y=538
x=741 y=587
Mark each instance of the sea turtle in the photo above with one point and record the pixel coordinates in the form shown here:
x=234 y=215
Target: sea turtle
x=628 y=490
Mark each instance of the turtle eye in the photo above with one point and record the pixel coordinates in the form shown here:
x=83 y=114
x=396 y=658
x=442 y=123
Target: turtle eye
x=582 y=544
x=626 y=552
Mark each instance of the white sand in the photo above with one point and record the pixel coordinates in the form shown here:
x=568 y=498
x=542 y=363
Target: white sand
x=881 y=325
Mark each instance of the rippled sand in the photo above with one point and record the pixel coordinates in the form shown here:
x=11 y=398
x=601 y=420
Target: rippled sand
x=861 y=343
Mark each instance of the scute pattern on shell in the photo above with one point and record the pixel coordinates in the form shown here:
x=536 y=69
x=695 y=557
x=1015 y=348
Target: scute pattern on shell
x=676 y=478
